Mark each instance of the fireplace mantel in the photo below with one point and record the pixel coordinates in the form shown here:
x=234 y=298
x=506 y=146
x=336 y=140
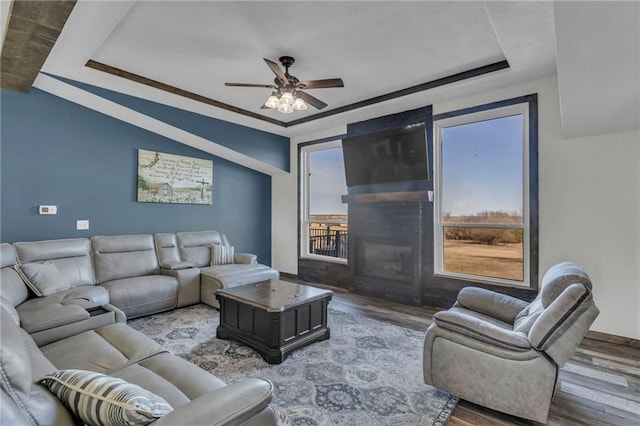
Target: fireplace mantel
x=386 y=197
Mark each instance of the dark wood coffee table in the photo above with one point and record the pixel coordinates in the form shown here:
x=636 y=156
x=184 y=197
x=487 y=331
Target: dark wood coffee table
x=274 y=317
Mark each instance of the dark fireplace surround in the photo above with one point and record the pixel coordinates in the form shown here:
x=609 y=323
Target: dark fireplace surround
x=386 y=245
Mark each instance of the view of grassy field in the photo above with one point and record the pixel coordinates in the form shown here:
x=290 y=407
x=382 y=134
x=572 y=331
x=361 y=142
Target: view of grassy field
x=500 y=261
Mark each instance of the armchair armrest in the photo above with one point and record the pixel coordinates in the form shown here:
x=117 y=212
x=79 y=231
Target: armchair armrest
x=482 y=330
x=245 y=258
x=230 y=405
x=497 y=305
x=175 y=266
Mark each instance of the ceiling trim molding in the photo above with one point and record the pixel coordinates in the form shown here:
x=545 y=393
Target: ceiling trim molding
x=464 y=75
x=112 y=109
x=486 y=69
x=177 y=91
x=32 y=30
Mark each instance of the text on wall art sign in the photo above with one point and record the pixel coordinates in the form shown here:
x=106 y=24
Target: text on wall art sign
x=168 y=178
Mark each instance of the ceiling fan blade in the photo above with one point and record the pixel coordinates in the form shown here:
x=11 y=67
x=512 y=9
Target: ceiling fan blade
x=267 y=86
x=315 y=102
x=321 y=84
x=277 y=71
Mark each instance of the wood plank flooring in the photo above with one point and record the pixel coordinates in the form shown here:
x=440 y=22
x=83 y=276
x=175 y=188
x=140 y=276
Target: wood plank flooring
x=600 y=385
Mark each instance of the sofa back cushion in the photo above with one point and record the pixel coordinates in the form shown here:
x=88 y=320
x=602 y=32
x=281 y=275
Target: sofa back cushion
x=72 y=257
x=195 y=247
x=123 y=256
x=167 y=248
x=23 y=364
x=12 y=288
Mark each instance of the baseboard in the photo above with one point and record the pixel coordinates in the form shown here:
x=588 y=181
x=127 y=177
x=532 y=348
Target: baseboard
x=288 y=275
x=612 y=338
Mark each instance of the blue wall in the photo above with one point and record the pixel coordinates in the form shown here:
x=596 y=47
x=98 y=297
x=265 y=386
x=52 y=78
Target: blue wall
x=56 y=152
x=266 y=147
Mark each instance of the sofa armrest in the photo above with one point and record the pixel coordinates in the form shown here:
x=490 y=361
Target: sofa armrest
x=34 y=320
x=230 y=405
x=245 y=258
x=188 y=284
x=118 y=315
x=174 y=266
x=487 y=302
x=482 y=330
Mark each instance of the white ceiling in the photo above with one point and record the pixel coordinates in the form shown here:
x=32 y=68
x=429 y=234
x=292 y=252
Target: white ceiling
x=375 y=47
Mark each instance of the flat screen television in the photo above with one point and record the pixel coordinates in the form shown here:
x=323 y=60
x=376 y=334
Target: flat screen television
x=394 y=155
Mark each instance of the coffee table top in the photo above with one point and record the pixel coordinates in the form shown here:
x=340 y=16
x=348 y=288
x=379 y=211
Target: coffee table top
x=274 y=295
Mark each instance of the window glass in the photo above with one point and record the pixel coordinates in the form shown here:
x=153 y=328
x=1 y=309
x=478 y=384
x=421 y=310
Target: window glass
x=481 y=208
x=324 y=215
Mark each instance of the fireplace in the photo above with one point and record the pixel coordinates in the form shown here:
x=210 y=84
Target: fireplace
x=385 y=234
x=387 y=259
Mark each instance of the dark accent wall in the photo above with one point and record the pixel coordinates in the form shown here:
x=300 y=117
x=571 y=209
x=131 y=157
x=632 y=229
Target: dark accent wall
x=56 y=152
x=327 y=273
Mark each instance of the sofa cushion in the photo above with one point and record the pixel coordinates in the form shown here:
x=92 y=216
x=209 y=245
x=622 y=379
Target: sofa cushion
x=176 y=380
x=143 y=295
x=86 y=297
x=42 y=278
x=239 y=274
x=71 y=256
x=195 y=247
x=99 y=399
x=222 y=255
x=11 y=311
x=13 y=287
x=22 y=364
x=53 y=316
x=104 y=350
x=123 y=256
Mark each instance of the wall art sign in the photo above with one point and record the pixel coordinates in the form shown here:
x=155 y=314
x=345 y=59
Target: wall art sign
x=168 y=178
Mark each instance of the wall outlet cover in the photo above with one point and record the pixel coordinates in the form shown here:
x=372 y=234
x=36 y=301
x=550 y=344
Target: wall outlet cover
x=82 y=225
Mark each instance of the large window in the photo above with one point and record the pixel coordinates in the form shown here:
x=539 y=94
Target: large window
x=324 y=216
x=482 y=196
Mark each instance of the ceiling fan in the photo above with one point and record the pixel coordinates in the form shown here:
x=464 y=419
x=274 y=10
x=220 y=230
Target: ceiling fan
x=288 y=95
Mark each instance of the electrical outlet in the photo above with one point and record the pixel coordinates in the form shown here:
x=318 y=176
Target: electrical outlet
x=82 y=225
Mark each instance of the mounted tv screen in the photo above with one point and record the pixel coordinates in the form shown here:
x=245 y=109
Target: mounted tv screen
x=395 y=155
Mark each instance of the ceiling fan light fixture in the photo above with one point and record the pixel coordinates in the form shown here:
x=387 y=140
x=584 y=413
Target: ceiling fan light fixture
x=299 y=104
x=286 y=98
x=272 y=102
x=287 y=95
x=285 y=108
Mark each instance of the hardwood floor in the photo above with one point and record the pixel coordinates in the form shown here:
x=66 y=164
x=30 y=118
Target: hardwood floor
x=600 y=385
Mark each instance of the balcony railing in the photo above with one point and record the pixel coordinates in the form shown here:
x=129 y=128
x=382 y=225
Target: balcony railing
x=328 y=240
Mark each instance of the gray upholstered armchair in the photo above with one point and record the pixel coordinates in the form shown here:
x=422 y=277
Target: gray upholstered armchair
x=503 y=353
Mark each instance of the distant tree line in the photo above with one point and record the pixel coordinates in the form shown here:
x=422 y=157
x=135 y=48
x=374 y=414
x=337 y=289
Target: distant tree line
x=490 y=236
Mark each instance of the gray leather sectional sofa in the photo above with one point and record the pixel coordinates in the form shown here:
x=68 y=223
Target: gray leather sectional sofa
x=84 y=326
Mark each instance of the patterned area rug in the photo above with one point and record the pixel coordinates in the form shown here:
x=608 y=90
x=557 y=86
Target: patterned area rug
x=368 y=373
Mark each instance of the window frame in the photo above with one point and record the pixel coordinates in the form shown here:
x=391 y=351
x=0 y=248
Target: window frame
x=305 y=151
x=524 y=108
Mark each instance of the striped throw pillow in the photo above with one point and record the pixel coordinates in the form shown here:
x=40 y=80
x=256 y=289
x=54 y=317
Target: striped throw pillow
x=101 y=400
x=221 y=255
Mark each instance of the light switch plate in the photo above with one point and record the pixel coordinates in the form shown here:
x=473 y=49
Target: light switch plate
x=82 y=225
x=47 y=209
